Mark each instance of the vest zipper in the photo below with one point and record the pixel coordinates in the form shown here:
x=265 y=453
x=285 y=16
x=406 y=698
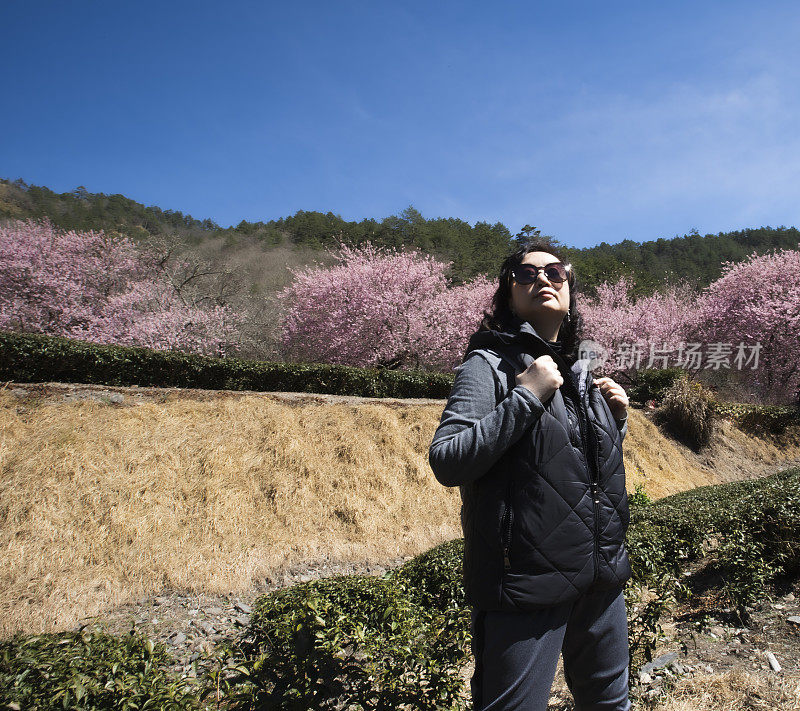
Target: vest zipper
x=594 y=486
x=508 y=518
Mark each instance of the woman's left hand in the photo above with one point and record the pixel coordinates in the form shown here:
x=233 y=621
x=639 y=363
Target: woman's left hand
x=615 y=396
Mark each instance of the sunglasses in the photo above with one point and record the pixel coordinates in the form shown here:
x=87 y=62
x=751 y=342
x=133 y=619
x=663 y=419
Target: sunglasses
x=556 y=273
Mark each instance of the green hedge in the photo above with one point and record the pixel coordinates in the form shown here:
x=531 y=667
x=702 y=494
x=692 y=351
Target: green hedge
x=90 y=670
x=36 y=358
x=773 y=419
x=433 y=579
x=749 y=529
x=349 y=642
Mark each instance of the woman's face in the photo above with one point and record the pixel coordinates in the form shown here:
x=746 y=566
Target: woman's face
x=542 y=303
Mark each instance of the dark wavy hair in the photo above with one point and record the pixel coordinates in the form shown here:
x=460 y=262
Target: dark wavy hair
x=499 y=316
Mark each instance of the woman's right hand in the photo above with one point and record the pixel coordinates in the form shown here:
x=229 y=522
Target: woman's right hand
x=541 y=377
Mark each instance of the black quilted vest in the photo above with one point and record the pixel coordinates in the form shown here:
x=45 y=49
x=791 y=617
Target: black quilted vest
x=548 y=521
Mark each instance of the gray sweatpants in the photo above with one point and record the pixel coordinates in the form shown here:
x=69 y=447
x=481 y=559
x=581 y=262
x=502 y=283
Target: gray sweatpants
x=516 y=654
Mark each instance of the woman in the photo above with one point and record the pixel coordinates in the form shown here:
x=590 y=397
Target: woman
x=535 y=445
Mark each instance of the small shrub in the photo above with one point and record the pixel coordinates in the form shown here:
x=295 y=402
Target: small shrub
x=645 y=631
x=687 y=411
x=89 y=669
x=746 y=568
x=639 y=497
x=353 y=640
x=434 y=579
x=652 y=383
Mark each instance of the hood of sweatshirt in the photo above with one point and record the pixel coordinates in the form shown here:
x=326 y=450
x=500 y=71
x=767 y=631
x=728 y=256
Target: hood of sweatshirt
x=524 y=344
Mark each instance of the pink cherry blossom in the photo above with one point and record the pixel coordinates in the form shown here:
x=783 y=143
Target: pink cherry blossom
x=757 y=301
x=102 y=289
x=381 y=306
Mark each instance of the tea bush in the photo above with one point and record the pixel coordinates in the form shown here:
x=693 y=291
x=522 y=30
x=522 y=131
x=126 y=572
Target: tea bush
x=353 y=640
x=759 y=419
x=433 y=579
x=645 y=632
x=89 y=669
x=748 y=530
x=37 y=358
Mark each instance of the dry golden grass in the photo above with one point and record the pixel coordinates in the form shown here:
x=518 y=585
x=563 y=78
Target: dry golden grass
x=101 y=504
x=664 y=466
x=734 y=691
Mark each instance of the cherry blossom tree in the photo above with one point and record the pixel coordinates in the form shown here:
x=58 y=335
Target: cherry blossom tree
x=657 y=323
x=380 y=307
x=102 y=289
x=757 y=302
x=749 y=319
x=452 y=316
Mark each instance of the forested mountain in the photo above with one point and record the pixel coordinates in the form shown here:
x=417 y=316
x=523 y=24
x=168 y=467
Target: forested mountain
x=695 y=259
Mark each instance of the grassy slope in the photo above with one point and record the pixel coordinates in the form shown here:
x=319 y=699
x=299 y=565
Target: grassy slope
x=103 y=503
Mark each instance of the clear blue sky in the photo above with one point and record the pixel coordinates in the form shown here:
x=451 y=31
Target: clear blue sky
x=593 y=121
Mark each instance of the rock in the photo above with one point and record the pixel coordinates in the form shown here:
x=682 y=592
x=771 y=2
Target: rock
x=215 y=611
x=718 y=631
x=660 y=662
x=107 y=397
x=773 y=662
x=794 y=619
x=789 y=598
x=161 y=600
x=645 y=678
x=242 y=620
x=708 y=669
x=243 y=607
x=306 y=578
